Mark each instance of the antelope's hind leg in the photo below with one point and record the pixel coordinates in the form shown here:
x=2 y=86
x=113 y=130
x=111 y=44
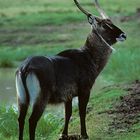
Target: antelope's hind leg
x=38 y=110
x=21 y=119
x=37 y=100
x=22 y=104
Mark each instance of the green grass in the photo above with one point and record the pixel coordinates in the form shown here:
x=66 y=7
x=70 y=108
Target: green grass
x=49 y=126
x=30 y=27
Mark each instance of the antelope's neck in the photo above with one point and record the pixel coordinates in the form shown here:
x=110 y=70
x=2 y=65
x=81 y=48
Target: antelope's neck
x=98 y=50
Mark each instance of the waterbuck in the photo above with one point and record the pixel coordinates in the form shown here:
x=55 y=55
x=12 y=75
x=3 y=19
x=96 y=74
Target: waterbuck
x=42 y=80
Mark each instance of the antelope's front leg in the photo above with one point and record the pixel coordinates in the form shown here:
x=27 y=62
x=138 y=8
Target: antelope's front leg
x=68 y=112
x=83 y=100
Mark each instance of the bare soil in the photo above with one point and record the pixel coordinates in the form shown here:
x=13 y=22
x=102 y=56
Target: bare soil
x=133 y=17
x=126 y=113
x=36 y=35
x=25 y=36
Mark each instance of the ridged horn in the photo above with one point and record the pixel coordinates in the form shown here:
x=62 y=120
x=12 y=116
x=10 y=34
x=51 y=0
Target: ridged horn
x=101 y=11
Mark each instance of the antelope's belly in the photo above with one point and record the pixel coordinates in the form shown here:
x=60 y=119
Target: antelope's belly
x=63 y=93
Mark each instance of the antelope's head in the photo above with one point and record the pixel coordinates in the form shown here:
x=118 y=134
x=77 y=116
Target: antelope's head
x=103 y=26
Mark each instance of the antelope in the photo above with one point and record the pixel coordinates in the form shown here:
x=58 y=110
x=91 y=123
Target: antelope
x=42 y=80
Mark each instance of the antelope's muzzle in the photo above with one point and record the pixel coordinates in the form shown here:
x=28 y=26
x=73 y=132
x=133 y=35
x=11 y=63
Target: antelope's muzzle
x=122 y=37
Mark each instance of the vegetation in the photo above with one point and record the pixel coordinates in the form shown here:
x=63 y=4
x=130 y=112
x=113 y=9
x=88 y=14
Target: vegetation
x=49 y=125
x=30 y=27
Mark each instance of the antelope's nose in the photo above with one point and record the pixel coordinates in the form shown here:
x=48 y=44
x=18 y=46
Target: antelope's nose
x=123 y=36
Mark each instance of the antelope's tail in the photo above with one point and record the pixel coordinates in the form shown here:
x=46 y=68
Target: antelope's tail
x=21 y=88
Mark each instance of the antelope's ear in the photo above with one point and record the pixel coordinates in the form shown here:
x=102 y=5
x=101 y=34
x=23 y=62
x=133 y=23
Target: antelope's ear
x=98 y=19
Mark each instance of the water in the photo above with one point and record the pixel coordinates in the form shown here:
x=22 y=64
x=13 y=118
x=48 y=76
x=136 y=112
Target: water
x=7 y=86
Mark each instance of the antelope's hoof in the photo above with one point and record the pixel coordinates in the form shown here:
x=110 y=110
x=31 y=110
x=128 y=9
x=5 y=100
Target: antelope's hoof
x=63 y=137
x=70 y=137
x=84 y=138
x=74 y=137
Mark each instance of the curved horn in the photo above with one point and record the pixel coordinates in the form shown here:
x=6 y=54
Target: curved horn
x=101 y=11
x=83 y=10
